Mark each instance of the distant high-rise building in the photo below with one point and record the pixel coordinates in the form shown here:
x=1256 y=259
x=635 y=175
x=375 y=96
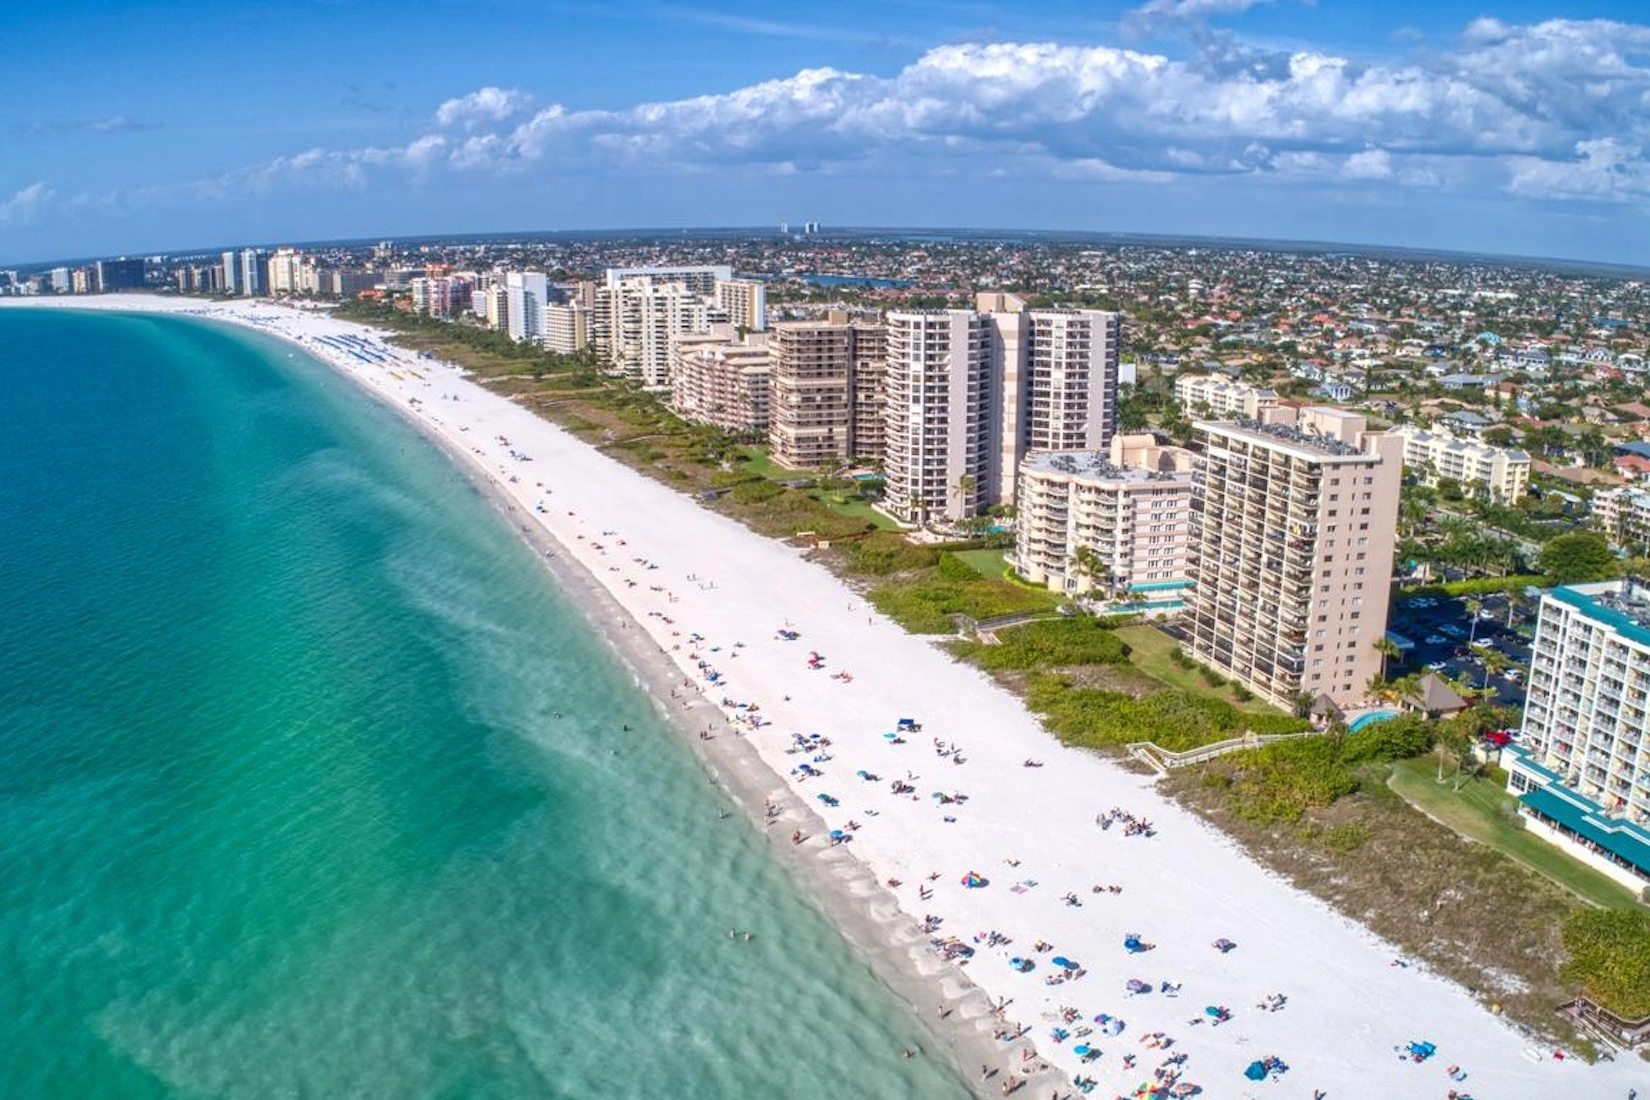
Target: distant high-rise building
x=1294 y=519
x=252 y=282
x=285 y=271
x=745 y=302
x=644 y=317
x=114 y=276
x=231 y=280
x=60 y=280
x=527 y=293
x=83 y=280
x=566 y=327
x=700 y=279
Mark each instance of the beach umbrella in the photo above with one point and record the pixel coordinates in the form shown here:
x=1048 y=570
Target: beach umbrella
x=1256 y=1071
x=1138 y=986
x=1064 y=963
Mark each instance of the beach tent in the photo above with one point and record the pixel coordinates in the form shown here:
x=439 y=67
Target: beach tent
x=1256 y=1071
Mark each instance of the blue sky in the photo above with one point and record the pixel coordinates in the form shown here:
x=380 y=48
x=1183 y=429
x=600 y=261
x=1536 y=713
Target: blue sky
x=1503 y=125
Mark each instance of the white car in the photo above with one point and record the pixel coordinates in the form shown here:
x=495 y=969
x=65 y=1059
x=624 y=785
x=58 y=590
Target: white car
x=1436 y=639
x=1437 y=666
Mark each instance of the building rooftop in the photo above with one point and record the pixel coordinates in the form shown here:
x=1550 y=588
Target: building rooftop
x=1314 y=445
x=1097 y=466
x=1622 y=605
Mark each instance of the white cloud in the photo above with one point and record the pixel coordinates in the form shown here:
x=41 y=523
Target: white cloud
x=1605 y=169
x=1559 y=109
x=483 y=105
x=25 y=204
x=1370 y=164
x=1195 y=9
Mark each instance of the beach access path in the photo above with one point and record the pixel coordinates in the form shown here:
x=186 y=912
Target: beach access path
x=712 y=598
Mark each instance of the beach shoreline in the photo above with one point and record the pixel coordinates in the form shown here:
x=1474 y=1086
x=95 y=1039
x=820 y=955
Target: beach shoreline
x=1179 y=882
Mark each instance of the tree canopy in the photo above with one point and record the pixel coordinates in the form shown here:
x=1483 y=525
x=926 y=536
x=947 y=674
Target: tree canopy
x=1577 y=557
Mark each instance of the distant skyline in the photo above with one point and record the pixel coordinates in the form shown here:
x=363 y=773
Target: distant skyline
x=1516 y=128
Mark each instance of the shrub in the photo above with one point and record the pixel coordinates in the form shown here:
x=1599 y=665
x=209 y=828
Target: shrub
x=1175 y=720
x=1346 y=837
x=1048 y=643
x=1241 y=693
x=1278 y=783
x=953 y=568
x=1610 y=957
x=1211 y=677
x=884 y=552
x=1394 y=739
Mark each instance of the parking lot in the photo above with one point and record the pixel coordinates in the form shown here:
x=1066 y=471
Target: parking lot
x=1442 y=628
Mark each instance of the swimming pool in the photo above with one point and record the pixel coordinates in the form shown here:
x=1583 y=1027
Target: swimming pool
x=1373 y=716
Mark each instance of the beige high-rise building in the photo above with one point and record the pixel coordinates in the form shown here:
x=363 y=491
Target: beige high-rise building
x=566 y=327
x=826 y=387
x=1293 y=525
x=647 y=315
x=937 y=391
x=1054 y=381
x=745 y=302
x=870 y=363
x=1116 y=522
x=285 y=271
x=721 y=379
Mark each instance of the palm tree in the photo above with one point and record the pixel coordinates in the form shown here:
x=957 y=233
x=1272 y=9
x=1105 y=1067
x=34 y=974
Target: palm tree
x=1495 y=663
x=1387 y=648
x=1473 y=608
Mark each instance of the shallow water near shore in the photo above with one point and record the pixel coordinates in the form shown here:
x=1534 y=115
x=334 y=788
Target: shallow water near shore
x=316 y=785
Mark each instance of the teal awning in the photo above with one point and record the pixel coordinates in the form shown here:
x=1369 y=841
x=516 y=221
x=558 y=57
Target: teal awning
x=1579 y=815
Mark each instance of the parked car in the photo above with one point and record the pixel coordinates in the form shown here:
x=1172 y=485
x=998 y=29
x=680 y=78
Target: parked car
x=1438 y=666
x=1436 y=639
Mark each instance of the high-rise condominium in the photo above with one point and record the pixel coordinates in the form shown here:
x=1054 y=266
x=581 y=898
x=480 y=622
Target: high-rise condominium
x=744 y=302
x=937 y=392
x=252 y=280
x=231 y=274
x=1581 y=767
x=826 y=404
x=526 y=294
x=1292 y=536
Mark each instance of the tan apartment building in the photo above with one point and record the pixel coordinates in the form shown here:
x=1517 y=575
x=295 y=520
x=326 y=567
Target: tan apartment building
x=937 y=390
x=1054 y=381
x=1223 y=398
x=1115 y=522
x=826 y=391
x=567 y=327
x=721 y=379
x=1497 y=473
x=744 y=302
x=644 y=316
x=1294 y=517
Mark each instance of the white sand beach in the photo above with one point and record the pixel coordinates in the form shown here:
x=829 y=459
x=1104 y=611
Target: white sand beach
x=713 y=597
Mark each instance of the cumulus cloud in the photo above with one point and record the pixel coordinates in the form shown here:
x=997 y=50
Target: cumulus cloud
x=22 y=207
x=482 y=106
x=1559 y=110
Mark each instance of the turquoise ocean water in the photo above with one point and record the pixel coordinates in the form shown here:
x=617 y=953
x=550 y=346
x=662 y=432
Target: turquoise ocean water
x=284 y=807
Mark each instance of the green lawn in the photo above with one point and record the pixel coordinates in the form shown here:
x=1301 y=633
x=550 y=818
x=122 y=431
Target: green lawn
x=1149 y=652
x=1475 y=812
x=987 y=563
x=758 y=462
